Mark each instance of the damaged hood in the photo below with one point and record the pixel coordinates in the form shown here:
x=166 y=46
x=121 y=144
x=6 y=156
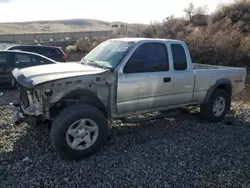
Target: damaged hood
x=32 y=76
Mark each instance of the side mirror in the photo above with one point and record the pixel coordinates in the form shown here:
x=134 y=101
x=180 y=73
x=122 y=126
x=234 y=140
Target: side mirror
x=134 y=66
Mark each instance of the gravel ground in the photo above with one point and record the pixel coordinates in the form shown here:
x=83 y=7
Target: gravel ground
x=173 y=152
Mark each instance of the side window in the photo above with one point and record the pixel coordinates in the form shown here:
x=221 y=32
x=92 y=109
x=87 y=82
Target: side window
x=179 y=57
x=34 y=50
x=4 y=58
x=149 y=57
x=22 y=58
x=52 y=51
x=40 y=61
x=30 y=49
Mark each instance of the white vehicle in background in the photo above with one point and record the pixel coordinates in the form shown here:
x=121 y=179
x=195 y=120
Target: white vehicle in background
x=119 y=78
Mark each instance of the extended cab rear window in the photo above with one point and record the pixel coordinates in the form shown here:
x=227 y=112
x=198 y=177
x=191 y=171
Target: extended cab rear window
x=179 y=57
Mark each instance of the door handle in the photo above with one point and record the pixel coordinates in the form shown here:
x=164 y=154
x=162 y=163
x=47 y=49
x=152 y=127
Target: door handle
x=167 y=79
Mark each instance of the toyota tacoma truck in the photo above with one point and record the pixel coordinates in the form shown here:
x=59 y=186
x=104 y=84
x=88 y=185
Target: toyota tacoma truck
x=120 y=78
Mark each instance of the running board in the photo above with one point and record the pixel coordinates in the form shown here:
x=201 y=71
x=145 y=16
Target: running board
x=162 y=114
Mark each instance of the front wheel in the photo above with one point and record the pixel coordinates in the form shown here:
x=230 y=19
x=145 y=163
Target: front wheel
x=79 y=131
x=217 y=107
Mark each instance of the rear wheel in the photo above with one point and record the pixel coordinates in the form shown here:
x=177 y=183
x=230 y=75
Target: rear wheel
x=217 y=107
x=79 y=131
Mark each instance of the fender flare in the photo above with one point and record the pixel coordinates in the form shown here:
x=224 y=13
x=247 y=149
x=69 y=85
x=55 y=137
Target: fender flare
x=218 y=84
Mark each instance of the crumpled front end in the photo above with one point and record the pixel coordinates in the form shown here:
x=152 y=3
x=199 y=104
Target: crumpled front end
x=30 y=104
x=43 y=101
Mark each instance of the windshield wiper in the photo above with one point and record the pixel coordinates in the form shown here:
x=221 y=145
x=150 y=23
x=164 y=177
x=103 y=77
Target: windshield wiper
x=97 y=65
x=93 y=63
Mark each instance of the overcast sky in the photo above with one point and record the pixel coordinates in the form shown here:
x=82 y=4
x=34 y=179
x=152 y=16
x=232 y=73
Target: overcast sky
x=136 y=11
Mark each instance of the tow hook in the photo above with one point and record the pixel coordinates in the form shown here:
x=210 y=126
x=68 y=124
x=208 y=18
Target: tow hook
x=16 y=113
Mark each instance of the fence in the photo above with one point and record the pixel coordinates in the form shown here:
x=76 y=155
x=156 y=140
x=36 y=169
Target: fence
x=3 y=46
x=51 y=37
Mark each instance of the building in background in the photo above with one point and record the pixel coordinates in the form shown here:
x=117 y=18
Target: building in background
x=118 y=25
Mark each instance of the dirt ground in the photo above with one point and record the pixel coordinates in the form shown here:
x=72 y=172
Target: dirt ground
x=184 y=151
x=245 y=96
x=8 y=96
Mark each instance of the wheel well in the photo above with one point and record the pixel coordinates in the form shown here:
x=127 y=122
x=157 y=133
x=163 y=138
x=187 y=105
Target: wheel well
x=78 y=97
x=226 y=87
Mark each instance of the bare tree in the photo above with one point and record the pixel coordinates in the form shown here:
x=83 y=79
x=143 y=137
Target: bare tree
x=192 y=11
x=189 y=11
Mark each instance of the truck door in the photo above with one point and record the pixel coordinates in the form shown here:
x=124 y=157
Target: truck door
x=183 y=74
x=146 y=82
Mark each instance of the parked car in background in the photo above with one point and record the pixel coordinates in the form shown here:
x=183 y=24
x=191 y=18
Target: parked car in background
x=52 y=52
x=10 y=60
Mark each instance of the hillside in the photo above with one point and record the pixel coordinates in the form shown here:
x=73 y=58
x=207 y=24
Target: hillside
x=220 y=38
x=53 y=26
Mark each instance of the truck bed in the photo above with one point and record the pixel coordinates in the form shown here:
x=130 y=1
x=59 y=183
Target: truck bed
x=207 y=75
x=197 y=66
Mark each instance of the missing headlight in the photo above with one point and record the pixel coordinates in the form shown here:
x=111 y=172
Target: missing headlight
x=36 y=95
x=48 y=92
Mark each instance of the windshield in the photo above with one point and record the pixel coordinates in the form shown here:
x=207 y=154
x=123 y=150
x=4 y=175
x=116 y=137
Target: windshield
x=108 y=54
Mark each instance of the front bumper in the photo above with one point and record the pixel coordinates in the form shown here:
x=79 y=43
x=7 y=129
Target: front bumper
x=28 y=117
x=15 y=112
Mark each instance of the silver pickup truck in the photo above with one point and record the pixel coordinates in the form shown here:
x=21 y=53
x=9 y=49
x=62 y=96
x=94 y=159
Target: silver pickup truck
x=119 y=78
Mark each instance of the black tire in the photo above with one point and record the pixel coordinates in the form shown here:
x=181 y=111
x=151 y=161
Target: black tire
x=206 y=110
x=66 y=118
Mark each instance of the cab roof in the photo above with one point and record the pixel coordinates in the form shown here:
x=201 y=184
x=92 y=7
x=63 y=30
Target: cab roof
x=144 y=39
